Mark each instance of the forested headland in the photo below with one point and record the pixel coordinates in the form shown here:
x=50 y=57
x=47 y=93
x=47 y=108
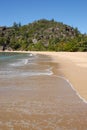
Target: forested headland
x=42 y=35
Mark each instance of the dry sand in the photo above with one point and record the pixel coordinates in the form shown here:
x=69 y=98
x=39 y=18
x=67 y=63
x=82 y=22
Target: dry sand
x=73 y=66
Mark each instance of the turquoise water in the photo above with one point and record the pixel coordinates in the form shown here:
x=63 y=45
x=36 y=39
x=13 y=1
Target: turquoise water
x=16 y=64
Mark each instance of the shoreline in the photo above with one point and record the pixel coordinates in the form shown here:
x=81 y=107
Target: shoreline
x=72 y=66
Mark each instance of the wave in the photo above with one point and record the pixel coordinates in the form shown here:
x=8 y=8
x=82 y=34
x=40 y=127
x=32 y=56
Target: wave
x=12 y=74
x=24 y=65
x=20 y=62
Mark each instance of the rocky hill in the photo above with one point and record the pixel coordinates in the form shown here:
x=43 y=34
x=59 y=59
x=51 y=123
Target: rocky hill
x=42 y=35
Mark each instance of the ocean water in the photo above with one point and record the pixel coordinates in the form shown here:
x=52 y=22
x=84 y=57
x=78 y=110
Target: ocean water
x=33 y=97
x=16 y=64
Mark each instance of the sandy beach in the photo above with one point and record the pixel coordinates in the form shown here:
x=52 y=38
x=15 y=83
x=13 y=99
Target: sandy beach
x=43 y=91
x=73 y=66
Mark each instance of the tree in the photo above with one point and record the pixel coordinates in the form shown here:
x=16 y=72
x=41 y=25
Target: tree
x=15 y=25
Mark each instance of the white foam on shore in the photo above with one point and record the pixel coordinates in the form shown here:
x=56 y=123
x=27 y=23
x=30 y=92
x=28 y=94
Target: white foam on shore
x=71 y=87
x=26 y=61
x=30 y=54
x=21 y=62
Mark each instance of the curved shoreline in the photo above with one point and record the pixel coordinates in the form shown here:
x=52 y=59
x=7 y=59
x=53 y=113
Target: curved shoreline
x=72 y=66
x=43 y=101
x=71 y=87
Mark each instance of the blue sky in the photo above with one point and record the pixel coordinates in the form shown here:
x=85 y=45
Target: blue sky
x=71 y=12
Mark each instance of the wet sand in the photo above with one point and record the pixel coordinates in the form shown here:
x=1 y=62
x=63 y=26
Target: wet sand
x=73 y=66
x=42 y=102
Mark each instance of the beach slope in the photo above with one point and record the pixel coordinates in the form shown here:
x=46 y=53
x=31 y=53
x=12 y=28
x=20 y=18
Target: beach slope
x=73 y=66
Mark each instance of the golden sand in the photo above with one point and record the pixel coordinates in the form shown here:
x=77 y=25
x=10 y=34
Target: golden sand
x=46 y=102
x=73 y=66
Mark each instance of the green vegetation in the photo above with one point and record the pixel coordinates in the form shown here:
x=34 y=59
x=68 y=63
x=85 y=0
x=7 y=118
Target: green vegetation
x=42 y=35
